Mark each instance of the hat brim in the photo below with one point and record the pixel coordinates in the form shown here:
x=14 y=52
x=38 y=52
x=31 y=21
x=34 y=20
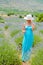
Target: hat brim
x=28 y=18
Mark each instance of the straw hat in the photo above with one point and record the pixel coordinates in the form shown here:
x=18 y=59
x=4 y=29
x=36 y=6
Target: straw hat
x=29 y=17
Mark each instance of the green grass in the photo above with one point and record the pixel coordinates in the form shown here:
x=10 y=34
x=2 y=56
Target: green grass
x=37 y=39
x=17 y=12
x=11 y=13
x=19 y=41
x=1 y=35
x=41 y=31
x=8 y=54
x=38 y=58
x=13 y=33
x=14 y=11
x=0 y=29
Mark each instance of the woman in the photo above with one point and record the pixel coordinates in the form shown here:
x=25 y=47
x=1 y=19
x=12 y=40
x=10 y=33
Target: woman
x=27 y=42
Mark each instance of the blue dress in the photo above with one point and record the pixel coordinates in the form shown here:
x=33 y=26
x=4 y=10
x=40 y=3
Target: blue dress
x=27 y=43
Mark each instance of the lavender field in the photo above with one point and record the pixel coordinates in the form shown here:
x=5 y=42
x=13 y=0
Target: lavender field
x=11 y=36
x=11 y=30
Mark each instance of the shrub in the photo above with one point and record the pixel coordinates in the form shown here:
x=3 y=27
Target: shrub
x=11 y=13
x=6 y=27
x=36 y=14
x=20 y=16
x=1 y=20
x=8 y=54
x=14 y=32
x=40 y=18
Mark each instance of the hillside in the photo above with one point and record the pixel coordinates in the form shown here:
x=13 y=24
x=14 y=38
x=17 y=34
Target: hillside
x=30 y=5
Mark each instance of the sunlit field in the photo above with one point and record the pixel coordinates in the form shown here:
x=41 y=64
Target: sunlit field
x=11 y=37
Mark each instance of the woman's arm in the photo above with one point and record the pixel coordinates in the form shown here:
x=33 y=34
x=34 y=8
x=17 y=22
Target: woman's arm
x=33 y=26
x=23 y=28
